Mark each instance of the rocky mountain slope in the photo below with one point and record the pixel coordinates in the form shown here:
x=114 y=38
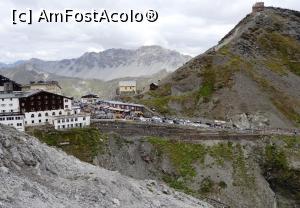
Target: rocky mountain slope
x=250 y=171
x=253 y=71
x=111 y=63
x=35 y=175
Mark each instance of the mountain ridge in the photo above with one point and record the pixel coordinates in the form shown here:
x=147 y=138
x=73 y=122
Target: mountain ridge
x=111 y=63
x=253 y=71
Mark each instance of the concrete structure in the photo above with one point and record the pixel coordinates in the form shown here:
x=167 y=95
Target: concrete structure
x=122 y=106
x=9 y=103
x=48 y=86
x=127 y=87
x=89 y=99
x=39 y=107
x=71 y=121
x=8 y=85
x=258 y=7
x=13 y=119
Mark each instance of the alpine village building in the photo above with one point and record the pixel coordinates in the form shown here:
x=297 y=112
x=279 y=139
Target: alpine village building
x=37 y=107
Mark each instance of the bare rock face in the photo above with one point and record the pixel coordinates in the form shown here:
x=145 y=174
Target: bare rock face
x=35 y=175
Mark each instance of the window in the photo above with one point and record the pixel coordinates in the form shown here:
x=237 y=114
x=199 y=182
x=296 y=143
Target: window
x=39 y=115
x=67 y=120
x=58 y=121
x=46 y=120
x=76 y=119
x=32 y=115
x=84 y=118
x=53 y=114
x=60 y=113
x=32 y=121
x=66 y=106
x=46 y=114
x=40 y=121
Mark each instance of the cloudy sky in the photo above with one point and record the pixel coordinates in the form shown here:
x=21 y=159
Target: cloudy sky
x=189 y=26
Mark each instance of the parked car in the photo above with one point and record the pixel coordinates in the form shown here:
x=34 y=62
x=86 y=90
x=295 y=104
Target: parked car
x=156 y=119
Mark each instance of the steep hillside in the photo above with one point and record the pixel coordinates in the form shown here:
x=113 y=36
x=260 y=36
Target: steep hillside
x=35 y=175
x=255 y=70
x=112 y=63
x=251 y=171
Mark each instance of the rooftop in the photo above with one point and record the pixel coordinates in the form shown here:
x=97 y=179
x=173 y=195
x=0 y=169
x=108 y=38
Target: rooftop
x=120 y=103
x=20 y=94
x=127 y=83
x=90 y=96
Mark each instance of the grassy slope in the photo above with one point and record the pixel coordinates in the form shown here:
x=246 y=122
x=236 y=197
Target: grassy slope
x=83 y=143
x=278 y=53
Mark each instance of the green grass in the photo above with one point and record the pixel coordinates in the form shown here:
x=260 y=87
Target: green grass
x=182 y=155
x=282 y=51
x=291 y=141
x=84 y=143
x=240 y=171
x=221 y=152
x=206 y=186
x=282 y=178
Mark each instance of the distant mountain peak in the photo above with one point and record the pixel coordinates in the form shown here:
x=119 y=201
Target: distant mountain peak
x=113 y=63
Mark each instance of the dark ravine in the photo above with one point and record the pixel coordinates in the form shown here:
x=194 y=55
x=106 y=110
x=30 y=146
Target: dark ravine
x=239 y=173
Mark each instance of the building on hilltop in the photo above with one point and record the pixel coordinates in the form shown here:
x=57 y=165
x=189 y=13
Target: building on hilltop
x=89 y=99
x=127 y=88
x=38 y=107
x=8 y=85
x=258 y=7
x=153 y=86
x=49 y=86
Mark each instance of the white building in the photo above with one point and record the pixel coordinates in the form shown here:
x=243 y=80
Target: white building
x=89 y=99
x=9 y=103
x=71 y=121
x=15 y=120
x=21 y=109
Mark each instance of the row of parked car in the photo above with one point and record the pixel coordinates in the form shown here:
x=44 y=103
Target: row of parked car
x=184 y=122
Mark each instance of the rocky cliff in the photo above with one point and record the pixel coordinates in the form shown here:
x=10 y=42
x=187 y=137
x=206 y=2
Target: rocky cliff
x=254 y=70
x=226 y=171
x=35 y=175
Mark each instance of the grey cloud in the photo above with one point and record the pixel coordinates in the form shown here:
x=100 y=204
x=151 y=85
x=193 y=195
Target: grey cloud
x=190 y=26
